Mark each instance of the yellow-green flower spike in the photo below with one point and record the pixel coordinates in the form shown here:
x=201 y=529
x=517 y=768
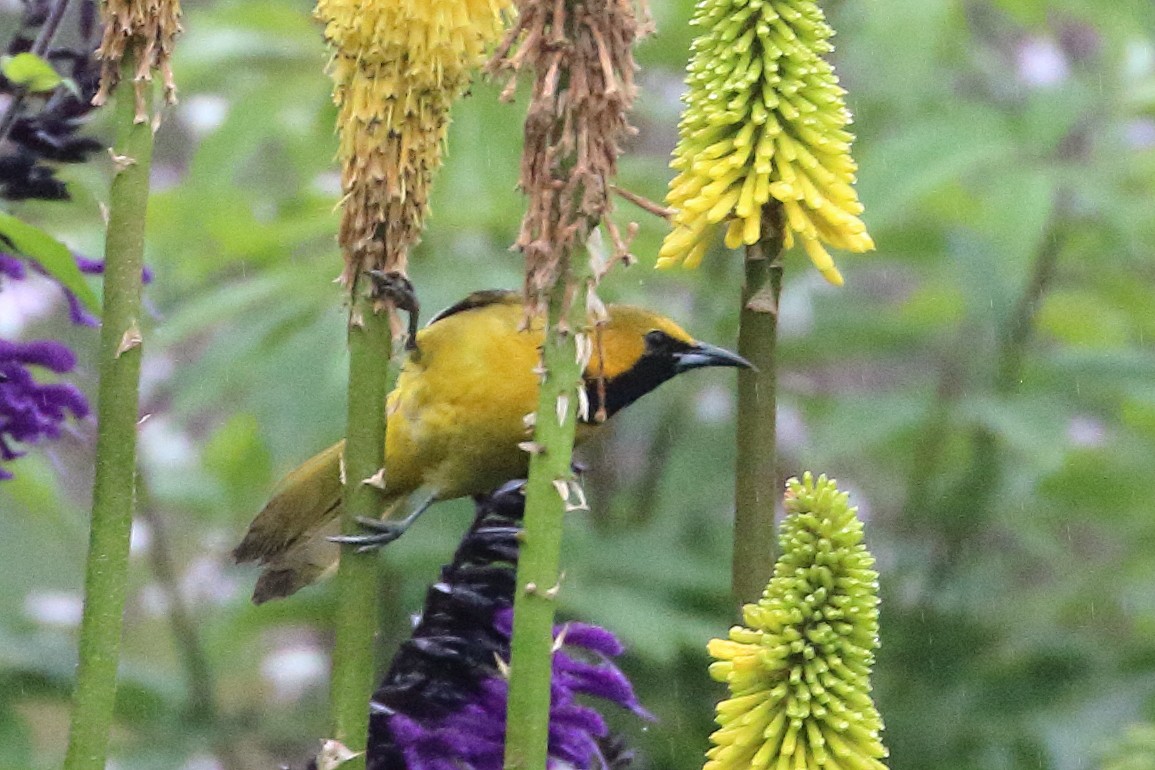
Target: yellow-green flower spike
x=765 y=124
x=397 y=67
x=798 y=671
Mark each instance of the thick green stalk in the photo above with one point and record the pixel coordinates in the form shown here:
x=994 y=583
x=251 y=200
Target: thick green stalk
x=370 y=346
x=546 y=496
x=116 y=413
x=756 y=472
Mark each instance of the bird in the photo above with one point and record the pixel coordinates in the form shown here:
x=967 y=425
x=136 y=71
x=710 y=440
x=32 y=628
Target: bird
x=457 y=424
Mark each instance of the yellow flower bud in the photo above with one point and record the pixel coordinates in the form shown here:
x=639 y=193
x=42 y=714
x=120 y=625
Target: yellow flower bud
x=764 y=124
x=397 y=67
x=799 y=671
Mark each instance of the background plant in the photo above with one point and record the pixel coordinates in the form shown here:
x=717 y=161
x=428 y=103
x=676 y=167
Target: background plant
x=1006 y=153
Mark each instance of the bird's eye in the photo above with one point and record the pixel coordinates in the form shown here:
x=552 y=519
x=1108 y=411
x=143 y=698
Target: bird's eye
x=657 y=341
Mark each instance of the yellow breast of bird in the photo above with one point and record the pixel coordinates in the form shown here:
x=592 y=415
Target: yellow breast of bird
x=458 y=412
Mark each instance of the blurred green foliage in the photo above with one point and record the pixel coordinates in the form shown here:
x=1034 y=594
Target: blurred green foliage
x=984 y=385
x=1136 y=751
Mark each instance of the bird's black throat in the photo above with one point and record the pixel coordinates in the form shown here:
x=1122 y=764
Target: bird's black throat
x=647 y=374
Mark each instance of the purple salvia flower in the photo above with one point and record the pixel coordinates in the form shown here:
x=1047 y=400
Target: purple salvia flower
x=29 y=410
x=32 y=411
x=601 y=679
x=76 y=311
x=591 y=637
x=442 y=704
x=43 y=132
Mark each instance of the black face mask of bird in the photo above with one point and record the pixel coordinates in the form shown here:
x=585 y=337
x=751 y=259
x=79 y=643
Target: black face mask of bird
x=664 y=357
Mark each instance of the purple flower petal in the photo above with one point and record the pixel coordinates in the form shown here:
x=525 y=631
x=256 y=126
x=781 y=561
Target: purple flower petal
x=467 y=621
x=593 y=638
x=31 y=411
x=11 y=267
x=89 y=266
x=77 y=313
x=605 y=681
x=503 y=620
x=14 y=269
x=45 y=353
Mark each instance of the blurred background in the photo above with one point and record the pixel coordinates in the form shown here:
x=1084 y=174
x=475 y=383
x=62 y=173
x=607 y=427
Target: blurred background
x=984 y=386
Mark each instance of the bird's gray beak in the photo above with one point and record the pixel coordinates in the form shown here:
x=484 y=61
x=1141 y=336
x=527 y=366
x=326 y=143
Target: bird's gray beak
x=705 y=354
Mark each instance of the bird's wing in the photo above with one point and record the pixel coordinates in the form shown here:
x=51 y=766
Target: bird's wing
x=478 y=299
x=303 y=503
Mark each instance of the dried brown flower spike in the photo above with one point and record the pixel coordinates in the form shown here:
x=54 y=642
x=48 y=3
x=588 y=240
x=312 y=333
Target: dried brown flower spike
x=581 y=52
x=397 y=67
x=143 y=30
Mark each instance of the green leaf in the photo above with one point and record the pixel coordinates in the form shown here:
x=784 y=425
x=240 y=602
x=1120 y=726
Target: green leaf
x=52 y=255
x=30 y=71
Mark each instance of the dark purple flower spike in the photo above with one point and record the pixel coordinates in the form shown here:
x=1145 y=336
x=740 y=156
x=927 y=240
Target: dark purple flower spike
x=37 y=132
x=441 y=706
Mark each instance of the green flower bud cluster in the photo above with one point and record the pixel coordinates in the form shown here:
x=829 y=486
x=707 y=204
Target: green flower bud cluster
x=799 y=670
x=765 y=123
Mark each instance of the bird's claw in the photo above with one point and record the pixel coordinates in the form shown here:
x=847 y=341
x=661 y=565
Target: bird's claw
x=395 y=286
x=383 y=533
x=398 y=289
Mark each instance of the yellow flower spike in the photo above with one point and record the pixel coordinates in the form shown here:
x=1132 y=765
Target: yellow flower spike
x=397 y=67
x=765 y=123
x=735 y=233
x=694 y=258
x=798 y=675
x=751 y=229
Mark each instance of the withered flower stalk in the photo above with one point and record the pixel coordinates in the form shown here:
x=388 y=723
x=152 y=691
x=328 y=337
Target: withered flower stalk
x=397 y=68
x=144 y=31
x=580 y=54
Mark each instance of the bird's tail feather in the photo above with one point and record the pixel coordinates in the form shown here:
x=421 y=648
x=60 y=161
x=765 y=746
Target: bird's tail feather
x=288 y=536
x=302 y=503
x=306 y=562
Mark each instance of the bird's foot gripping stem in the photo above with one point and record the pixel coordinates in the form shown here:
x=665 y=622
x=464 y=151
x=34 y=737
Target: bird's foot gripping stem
x=399 y=290
x=380 y=533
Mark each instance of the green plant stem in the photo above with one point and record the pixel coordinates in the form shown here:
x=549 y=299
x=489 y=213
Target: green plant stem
x=756 y=472
x=531 y=656
x=971 y=502
x=1021 y=324
x=965 y=506
x=117 y=404
x=370 y=347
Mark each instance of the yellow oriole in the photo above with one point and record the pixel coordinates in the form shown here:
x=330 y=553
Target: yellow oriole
x=455 y=420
